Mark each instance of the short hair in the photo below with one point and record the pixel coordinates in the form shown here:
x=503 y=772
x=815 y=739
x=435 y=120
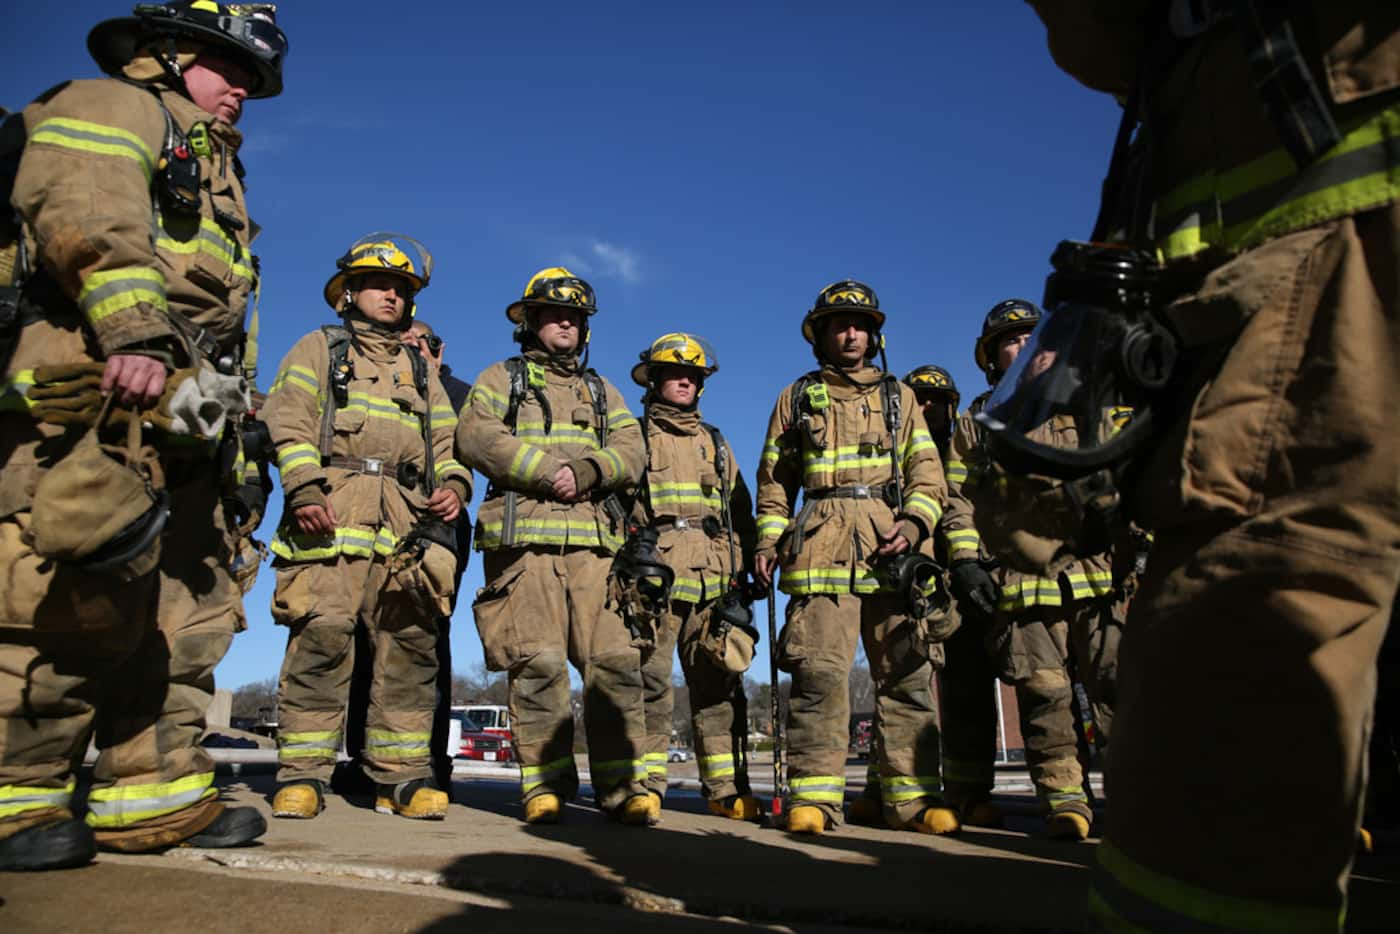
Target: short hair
x=424 y=326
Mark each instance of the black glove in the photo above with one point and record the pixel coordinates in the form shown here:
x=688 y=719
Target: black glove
x=973 y=586
x=245 y=505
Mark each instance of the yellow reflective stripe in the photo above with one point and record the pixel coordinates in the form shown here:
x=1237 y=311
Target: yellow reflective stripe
x=292 y=456
x=828 y=580
x=583 y=533
x=559 y=433
x=655 y=763
x=770 y=452
x=772 y=526
x=846 y=456
x=618 y=468
x=1090 y=584
x=316 y=744
x=1135 y=881
x=380 y=407
x=718 y=766
x=96 y=138
x=299 y=376
x=356 y=543
x=497 y=403
x=961 y=541
x=924 y=505
x=620 y=418
x=920 y=440
x=1268 y=196
x=442 y=416
x=442 y=468
x=387 y=744
x=956 y=471
x=109 y=291
x=532 y=776
x=14 y=392
x=526 y=461
x=824 y=788
x=122 y=805
x=617 y=769
x=211 y=241
x=679 y=493
x=16 y=799
x=908 y=788
x=1031 y=591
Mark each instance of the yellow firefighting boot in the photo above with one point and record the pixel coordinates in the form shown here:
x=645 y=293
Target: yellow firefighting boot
x=543 y=809
x=737 y=807
x=417 y=799
x=640 y=810
x=303 y=800
x=1365 y=843
x=1067 y=825
x=935 y=820
x=806 y=818
x=866 y=811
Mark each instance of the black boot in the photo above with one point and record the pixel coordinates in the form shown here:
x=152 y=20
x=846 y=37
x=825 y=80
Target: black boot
x=234 y=827
x=56 y=845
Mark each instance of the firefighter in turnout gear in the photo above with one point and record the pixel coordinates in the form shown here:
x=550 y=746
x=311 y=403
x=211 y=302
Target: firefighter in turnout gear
x=1269 y=479
x=121 y=407
x=557 y=444
x=364 y=432
x=695 y=497
x=1044 y=632
x=848 y=438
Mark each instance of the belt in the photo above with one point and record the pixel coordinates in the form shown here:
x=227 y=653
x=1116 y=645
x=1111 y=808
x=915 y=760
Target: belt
x=407 y=474
x=848 y=492
x=709 y=525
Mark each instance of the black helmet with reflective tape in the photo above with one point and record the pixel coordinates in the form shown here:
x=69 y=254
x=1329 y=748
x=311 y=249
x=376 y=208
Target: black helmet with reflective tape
x=245 y=33
x=933 y=378
x=846 y=296
x=1014 y=314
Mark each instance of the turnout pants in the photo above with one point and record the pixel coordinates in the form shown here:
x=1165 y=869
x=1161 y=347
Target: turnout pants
x=135 y=662
x=320 y=604
x=1043 y=650
x=1274 y=500
x=717 y=708
x=539 y=611
x=817 y=647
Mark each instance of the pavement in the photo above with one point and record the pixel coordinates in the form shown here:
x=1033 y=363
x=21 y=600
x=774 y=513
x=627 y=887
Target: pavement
x=483 y=869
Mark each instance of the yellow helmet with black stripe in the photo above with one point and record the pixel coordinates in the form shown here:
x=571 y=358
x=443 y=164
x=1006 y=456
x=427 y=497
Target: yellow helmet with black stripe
x=553 y=286
x=845 y=296
x=676 y=349
x=383 y=253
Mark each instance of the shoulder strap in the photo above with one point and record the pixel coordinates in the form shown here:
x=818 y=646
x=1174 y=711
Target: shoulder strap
x=599 y=392
x=339 y=371
x=889 y=404
x=526 y=377
x=722 y=468
x=808 y=397
x=420 y=382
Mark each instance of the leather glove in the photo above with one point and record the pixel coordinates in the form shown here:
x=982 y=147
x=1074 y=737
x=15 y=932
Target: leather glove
x=973 y=586
x=246 y=506
x=69 y=394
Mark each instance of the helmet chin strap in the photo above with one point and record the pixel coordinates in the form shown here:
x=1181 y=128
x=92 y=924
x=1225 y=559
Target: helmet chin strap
x=169 y=63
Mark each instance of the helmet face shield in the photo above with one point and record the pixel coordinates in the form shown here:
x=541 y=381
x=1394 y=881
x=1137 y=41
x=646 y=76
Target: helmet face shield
x=676 y=349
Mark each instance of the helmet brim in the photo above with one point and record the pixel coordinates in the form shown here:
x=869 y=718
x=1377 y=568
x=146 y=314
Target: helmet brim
x=115 y=42
x=816 y=314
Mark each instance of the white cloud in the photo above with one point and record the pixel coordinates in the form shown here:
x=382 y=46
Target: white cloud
x=604 y=260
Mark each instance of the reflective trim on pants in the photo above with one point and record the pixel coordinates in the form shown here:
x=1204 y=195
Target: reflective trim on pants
x=318 y=744
x=618 y=770
x=909 y=788
x=720 y=766
x=386 y=744
x=16 y=799
x=533 y=776
x=824 y=789
x=655 y=763
x=123 y=805
x=1127 y=896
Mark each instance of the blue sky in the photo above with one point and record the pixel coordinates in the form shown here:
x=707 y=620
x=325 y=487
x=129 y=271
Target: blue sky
x=708 y=167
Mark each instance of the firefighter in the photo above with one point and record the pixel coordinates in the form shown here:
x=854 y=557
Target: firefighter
x=1268 y=470
x=557 y=443
x=363 y=430
x=119 y=601
x=695 y=497
x=847 y=436
x=1047 y=631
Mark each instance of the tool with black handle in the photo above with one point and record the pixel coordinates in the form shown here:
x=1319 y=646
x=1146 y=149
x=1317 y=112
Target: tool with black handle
x=775 y=709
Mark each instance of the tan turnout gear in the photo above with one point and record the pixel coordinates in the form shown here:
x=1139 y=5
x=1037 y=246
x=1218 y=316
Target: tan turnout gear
x=546 y=565
x=835 y=447
x=1046 y=632
x=682 y=499
x=1271 y=489
x=371 y=477
x=108 y=282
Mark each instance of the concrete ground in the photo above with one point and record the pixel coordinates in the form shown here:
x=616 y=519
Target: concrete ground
x=483 y=869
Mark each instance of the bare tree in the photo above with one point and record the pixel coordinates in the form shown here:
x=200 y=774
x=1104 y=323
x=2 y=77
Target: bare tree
x=252 y=698
x=861 y=687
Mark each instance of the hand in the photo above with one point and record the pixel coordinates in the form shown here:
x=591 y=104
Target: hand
x=565 y=485
x=893 y=542
x=138 y=380
x=763 y=569
x=445 y=505
x=972 y=585
x=315 y=519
